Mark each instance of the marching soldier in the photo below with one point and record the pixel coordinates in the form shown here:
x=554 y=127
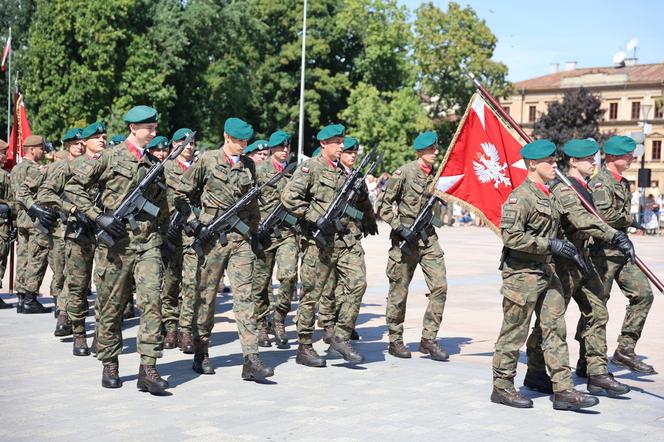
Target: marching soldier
x=33 y=245
x=280 y=249
x=6 y=209
x=49 y=195
x=221 y=177
x=582 y=229
x=135 y=254
x=257 y=151
x=409 y=188
x=612 y=199
x=529 y=225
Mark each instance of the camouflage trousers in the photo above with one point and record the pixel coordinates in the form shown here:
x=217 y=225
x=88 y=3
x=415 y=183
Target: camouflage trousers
x=80 y=256
x=56 y=260
x=400 y=271
x=170 y=309
x=529 y=288
x=4 y=250
x=31 y=259
x=190 y=278
x=340 y=300
x=587 y=291
x=236 y=259
x=117 y=265
x=635 y=286
x=283 y=253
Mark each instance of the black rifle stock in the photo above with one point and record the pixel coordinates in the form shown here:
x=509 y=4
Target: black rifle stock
x=422 y=221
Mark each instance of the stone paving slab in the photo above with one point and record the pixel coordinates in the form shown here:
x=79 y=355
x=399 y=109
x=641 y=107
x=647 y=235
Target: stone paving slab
x=46 y=393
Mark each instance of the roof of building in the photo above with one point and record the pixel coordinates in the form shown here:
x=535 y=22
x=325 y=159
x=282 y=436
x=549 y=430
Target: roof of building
x=599 y=76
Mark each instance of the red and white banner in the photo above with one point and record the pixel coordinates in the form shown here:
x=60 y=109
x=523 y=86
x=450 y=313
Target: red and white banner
x=482 y=164
x=5 y=52
x=20 y=131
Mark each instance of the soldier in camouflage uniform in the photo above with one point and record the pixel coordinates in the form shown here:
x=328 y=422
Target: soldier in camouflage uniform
x=257 y=151
x=529 y=225
x=33 y=245
x=612 y=199
x=135 y=253
x=409 y=188
x=581 y=228
x=280 y=248
x=221 y=177
x=50 y=195
x=6 y=209
x=338 y=308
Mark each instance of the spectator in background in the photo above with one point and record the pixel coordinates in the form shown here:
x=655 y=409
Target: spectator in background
x=634 y=207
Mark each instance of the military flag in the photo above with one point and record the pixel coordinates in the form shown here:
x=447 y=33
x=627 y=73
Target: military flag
x=482 y=164
x=20 y=131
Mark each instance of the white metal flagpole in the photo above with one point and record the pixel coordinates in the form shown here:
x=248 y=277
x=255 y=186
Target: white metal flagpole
x=9 y=87
x=300 y=138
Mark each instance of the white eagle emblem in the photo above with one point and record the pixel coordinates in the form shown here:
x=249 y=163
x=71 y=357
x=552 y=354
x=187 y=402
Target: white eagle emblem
x=489 y=168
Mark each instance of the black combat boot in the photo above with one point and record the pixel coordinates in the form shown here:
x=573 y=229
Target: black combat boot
x=625 y=357
x=186 y=342
x=110 y=376
x=328 y=333
x=4 y=305
x=171 y=339
x=80 y=345
x=32 y=306
x=538 y=381
x=510 y=397
x=201 y=364
x=253 y=368
x=343 y=347
x=263 y=337
x=20 y=297
x=150 y=380
x=573 y=400
x=581 y=368
x=354 y=336
x=306 y=355
x=430 y=346
x=280 y=335
x=605 y=384
x=63 y=326
x=398 y=349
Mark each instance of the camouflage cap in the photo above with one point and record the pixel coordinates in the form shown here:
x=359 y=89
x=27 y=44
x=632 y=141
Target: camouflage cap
x=33 y=140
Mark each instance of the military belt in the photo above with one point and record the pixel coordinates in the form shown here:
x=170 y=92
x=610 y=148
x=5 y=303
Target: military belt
x=532 y=257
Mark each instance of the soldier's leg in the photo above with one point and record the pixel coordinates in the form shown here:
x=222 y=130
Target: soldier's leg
x=352 y=276
x=636 y=287
x=38 y=249
x=4 y=250
x=190 y=280
x=79 y=271
x=262 y=286
x=433 y=266
x=316 y=267
x=239 y=271
x=171 y=292
x=592 y=335
x=400 y=270
x=56 y=261
x=148 y=273
x=286 y=259
x=329 y=303
x=22 y=256
x=211 y=271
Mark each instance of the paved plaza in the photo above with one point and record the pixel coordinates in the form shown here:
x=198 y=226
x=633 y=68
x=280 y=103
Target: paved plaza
x=46 y=393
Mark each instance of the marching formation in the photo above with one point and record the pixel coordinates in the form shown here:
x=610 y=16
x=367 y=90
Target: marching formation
x=151 y=223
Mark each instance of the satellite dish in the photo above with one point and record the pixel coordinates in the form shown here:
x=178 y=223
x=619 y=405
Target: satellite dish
x=632 y=44
x=619 y=57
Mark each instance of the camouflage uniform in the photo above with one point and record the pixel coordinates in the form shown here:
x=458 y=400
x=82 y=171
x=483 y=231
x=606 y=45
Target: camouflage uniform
x=32 y=245
x=613 y=200
x=282 y=251
x=408 y=187
x=529 y=219
x=136 y=255
x=220 y=184
x=580 y=227
x=6 y=197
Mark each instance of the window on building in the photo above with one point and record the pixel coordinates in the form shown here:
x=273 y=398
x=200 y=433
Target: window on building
x=659 y=109
x=613 y=111
x=506 y=109
x=636 y=110
x=657 y=150
x=532 y=113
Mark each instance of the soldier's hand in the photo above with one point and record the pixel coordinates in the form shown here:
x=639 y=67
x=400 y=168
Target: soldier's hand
x=324 y=226
x=200 y=230
x=562 y=248
x=406 y=234
x=110 y=224
x=13 y=234
x=637 y=225
x=173 y=233
x=46 y=216
x=623 y=243
x=581 y=264
x=83 y=220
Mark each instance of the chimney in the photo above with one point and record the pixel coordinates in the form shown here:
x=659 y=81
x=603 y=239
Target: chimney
x=631 y=61
x=570 y=65
x=553 y=68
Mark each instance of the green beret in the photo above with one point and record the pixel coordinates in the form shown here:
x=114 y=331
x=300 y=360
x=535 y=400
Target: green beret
x=278 y=138
x=116 y=139
x=159 y=143
x=538 y=149
x=141 y=114
x=255 y=146
x=72 y=134
x=181 y=134
x=425 y=140
x=331 y=130
x=315 y=152
x=238 y=128
x=619 y=145
x=93 y=129
x=351 y=143
x=580 y=148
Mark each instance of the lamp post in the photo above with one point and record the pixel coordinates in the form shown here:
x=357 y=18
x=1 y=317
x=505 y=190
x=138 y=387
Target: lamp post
x=644 y=174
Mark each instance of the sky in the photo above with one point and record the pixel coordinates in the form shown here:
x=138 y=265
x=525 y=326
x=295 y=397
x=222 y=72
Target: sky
x=534 y=34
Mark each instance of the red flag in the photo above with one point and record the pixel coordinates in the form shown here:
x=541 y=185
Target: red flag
x=482 y=164
x=5 y=52
x=20 y=131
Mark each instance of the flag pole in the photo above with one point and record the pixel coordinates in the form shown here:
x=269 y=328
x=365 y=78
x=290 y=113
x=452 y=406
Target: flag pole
x=300 y=133
x=587 y=204
x=9 y=87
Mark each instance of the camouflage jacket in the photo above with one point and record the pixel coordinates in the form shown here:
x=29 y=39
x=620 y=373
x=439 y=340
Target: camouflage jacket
x=355 y=226
x=612 y=200
x=172 y=173
x=409 y=188
x=265 y=171
x=26 y=179
x=219 y=185
x=117 y=171
x=7 y=197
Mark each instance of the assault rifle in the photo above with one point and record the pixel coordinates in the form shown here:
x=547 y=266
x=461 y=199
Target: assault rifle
x=230 y=218
x=275 y=220
x=135 y=202
x=79 y=226
x=329 y=223
x=419 y=227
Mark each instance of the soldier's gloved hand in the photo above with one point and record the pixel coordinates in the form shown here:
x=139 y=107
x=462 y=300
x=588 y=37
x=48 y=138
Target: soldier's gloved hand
x=637 y=225
x=13 y=234
x=371 y=228
x=110 y=224
x=563 y=248
x=83 y=220
x=623 y=243
x=406 y=234
x=200 y=230
x=45 y=216
x=324 y=226
x=173 y=233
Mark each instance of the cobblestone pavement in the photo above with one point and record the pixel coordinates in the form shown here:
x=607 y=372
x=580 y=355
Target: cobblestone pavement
x=46 y=393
